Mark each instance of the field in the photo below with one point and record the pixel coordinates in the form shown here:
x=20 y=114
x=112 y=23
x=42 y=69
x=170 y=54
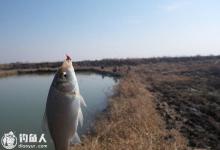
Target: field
x=189 y=100
x=159 y=103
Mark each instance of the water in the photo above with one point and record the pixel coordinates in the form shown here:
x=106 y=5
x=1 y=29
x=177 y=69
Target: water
x=23 y=99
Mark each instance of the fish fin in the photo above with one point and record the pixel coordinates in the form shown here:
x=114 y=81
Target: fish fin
x=44 y=126
x=82 y=101
x=80 y=117
x=75 y=139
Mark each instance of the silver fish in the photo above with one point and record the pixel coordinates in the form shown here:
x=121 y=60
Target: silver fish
x=63 y=107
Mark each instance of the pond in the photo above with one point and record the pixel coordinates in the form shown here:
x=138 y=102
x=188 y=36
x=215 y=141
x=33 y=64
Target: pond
x=23 y=99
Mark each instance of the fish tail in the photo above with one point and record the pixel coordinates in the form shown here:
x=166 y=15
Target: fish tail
x=75 y=139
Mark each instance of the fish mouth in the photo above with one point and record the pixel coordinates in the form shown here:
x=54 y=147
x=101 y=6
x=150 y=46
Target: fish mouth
x=67 y=63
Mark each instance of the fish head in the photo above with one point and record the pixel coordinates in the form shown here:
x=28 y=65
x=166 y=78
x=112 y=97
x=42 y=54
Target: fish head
x=65 y=78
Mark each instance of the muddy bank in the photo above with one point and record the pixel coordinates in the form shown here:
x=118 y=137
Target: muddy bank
x=188 y=98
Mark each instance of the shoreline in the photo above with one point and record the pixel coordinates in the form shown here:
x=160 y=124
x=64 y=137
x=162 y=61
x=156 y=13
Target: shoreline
x=148 y=109
x=112 y=67
x=106 y=72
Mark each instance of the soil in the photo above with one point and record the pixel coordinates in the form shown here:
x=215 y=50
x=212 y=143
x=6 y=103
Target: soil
x=188 y=98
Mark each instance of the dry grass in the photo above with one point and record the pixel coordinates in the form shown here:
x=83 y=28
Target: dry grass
x=132 y=122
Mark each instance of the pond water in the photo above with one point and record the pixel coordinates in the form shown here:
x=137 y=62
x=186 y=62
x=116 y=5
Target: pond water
x=23 y=99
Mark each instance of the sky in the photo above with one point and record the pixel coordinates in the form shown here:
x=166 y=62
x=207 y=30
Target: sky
x=46 y=30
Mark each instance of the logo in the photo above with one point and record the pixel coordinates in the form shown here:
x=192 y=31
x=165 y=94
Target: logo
x=9 y=140
x=24 y=141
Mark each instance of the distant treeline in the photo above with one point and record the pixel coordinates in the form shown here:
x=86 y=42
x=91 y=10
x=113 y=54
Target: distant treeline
x=19 y=65
x=137 y=61
x=108 y=62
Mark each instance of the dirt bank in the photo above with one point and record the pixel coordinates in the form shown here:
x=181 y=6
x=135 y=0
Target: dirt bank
x=131 y=122
x=188 y=98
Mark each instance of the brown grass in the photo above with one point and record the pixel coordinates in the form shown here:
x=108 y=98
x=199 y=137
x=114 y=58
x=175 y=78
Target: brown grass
x=131 y=122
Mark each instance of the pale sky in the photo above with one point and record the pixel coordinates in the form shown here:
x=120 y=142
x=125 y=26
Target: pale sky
x=45 y=30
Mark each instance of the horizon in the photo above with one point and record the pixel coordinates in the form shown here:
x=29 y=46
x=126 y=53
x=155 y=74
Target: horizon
x=156 y=57
x=44 y=31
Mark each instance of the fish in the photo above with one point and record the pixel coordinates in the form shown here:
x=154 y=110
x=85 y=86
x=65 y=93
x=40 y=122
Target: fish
x=63 y=107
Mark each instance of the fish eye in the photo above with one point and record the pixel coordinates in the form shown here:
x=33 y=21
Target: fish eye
x=64 y=74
